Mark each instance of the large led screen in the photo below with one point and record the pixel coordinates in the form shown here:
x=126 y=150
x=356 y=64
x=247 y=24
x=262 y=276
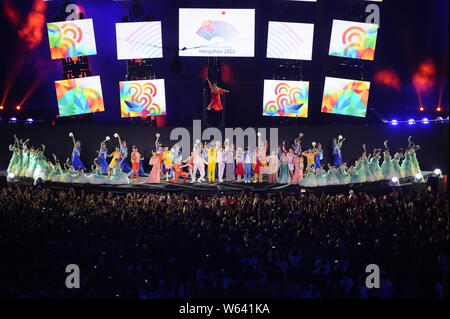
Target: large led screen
x=288 y=40
x=139 y=40
x=79 y=96
x=217 y=32
x=345 y=97
x=354 y=40
x=71 y=38
x=286 y=98
x=142 y=98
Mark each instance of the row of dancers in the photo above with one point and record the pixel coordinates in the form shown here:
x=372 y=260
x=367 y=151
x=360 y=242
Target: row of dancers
x=285 y=164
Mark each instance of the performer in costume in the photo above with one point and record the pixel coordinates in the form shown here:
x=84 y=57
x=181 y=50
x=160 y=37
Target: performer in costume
x=321 y=177
x=310 y=155
x=240 y=166
x=374 y=165
x=199 y=162
x=124 y=150
x=396 y=161
x=297 y=146
x=284 y=176
x=178 y=172
x=337 y=150
x=155 y=174
x=297 y=177
x=274 y=164
x=319 y=156
x=212 y=159
x=343 y=175
x=229 y=161
x=97 y=177
x=25 y=160
x=102 y=154
x=221 y=157
x=247 y=166
x=168 y=162
x=258 y=168
x=310 y=179
x=31 y=163
x=216 y=92
x=136 y=159
x=387 y=168
x=76 y=154
x=332 y=178
x=116 y=160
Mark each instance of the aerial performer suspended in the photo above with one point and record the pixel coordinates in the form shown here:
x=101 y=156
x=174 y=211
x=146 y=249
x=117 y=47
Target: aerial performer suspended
x=216 y=92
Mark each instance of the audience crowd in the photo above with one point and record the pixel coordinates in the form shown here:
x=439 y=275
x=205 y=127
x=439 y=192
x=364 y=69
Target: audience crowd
x=223 y=246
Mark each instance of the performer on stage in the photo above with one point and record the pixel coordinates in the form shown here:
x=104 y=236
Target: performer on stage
x=212 y=159
x=229 y=161
x=337 y=153
x=155 y=174
x=136 y=159
x=116 y=161
x=297 y=146
x=284 y=176
x=319 y=156
x=199 y=162
x=167 y=162
x=216 y=92
x=240 y=166
x=274 y=164
x=76 y=153
x=178 y=172
x=247 y=166
x=221 y=162
x=310 y=155
x=298 y=170
x=102 y=154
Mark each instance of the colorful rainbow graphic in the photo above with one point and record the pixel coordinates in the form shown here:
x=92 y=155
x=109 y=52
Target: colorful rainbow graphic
x=79 y=96
x=288 y=101
x=67 y=39
x=220 y=29
x=357 y=41
x=138 y=99
x=345 y=97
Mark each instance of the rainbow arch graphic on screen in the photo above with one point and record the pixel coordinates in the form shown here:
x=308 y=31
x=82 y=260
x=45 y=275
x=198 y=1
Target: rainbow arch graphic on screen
x=353 y=40
x=141 y=98
x=283 y=40
x=345 y=97
x=217 y=29
x=288 y=101
x=71 y=39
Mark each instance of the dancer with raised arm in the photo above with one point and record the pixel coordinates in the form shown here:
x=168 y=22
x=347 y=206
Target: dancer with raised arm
x=337 y=150
x=76 y=153
x=216 y=92
x=102 y=155
x=124 y=150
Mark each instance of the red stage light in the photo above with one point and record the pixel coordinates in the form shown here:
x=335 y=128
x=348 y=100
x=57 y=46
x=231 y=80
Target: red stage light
x=438 y=109
x=18 y=107
x=421 y=109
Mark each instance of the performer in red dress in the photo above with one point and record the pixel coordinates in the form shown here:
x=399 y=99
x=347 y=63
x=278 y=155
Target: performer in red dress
x=216 y=92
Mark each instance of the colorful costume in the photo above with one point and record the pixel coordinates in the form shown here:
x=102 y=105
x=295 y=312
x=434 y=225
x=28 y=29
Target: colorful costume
x=212 y=157
x=76 y=161
x=155 y=174
x=124 y=165
x=102 y=154
x=216 y=102
x=284 y=177
x=297 y=177
x=337 y=154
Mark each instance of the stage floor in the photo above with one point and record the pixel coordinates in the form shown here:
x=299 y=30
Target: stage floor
x=226 y=187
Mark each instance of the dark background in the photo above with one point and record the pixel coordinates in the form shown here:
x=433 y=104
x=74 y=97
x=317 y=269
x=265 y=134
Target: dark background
x=411 y=32
x=433 y=139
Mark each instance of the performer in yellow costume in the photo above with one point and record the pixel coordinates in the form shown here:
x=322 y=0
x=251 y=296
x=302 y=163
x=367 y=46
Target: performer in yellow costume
x=167 y=161
x=116 y=160
x=212 y=159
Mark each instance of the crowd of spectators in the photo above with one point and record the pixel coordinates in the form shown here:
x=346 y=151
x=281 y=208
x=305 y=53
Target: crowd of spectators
x=224 y=246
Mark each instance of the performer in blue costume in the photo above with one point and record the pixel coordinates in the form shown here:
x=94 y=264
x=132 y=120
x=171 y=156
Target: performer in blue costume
x=337 y=150
x=319 y=156
x=76 y=154
x=124 y=151
x=102 y=155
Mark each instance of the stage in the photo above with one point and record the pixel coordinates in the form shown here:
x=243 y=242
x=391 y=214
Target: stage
x=227 y=187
